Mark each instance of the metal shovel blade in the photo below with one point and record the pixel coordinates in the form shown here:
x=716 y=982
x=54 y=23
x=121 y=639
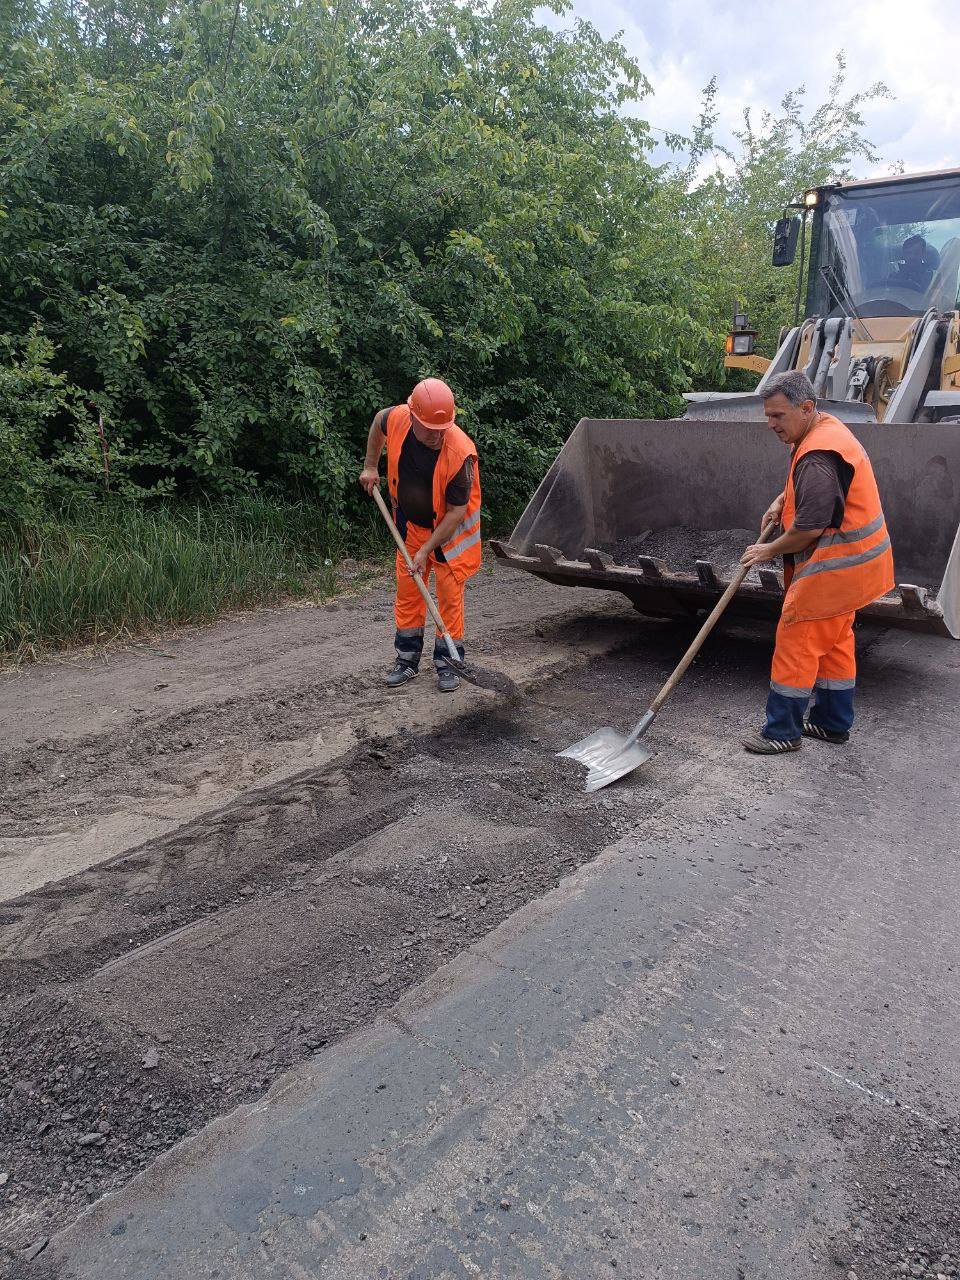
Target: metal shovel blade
x=607 y=756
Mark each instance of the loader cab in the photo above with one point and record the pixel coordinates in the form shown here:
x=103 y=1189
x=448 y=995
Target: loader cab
x=885 y=248
x=882 y=282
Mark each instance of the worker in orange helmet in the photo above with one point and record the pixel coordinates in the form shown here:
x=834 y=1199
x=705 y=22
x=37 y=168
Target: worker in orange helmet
x=837 y=558
x=433 y=478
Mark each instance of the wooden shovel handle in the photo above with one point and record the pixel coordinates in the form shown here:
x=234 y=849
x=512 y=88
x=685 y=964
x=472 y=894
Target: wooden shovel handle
x=418 y=579
x=709 y=624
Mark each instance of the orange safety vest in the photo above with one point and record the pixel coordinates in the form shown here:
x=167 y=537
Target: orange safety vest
x=462 y=551
x=849 y=567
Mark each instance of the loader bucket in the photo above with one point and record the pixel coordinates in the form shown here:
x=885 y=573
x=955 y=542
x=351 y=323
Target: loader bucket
x=620 y=486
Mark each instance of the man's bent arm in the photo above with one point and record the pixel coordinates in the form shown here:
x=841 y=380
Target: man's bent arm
x=445 y=528
x=375 y=442
x=787 y=544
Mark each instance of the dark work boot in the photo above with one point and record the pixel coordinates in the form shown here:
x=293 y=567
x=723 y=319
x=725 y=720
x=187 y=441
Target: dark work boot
x=817 y=732
x=762 y=746
x=447 y=679
x=401 y=673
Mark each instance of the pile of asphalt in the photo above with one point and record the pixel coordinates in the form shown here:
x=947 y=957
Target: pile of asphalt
x=681 y=547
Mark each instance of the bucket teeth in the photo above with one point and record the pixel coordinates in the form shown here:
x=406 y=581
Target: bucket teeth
x=598 y=559
x=653 y=567
x=913 y=598
x=549 y=555
x=707 y=574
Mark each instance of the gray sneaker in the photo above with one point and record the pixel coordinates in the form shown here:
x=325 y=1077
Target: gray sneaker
x=447 y=679
x=761 y=746
x=811 y=730
x=401 y=673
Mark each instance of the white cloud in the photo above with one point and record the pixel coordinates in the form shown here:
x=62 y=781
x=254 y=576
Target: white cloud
x=760 y=51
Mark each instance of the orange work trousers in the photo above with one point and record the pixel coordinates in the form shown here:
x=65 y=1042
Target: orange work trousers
x=410 y=608
x=815 y=658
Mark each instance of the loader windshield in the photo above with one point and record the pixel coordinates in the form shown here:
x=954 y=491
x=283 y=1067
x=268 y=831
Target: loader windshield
x=889 y=249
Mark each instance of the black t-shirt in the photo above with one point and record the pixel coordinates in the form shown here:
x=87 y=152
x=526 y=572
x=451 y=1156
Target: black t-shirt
x=415 y=470
x=821 y=482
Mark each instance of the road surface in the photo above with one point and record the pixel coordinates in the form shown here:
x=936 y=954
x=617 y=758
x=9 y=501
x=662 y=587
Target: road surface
x=429 y=1010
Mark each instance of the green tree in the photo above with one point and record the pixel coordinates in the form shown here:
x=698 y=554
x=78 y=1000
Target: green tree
x=244 y=227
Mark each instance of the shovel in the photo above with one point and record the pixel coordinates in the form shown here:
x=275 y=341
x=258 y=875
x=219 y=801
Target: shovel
x=609 y=755
x=482 y=677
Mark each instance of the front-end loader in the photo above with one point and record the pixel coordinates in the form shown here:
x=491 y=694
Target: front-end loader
x=880 y=340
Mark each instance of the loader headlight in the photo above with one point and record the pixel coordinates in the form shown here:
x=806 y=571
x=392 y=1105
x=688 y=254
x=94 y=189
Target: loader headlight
x=741 y=338
x=811 y=199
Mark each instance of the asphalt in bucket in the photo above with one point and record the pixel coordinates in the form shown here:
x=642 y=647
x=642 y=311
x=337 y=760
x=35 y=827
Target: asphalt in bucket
x=681 y=547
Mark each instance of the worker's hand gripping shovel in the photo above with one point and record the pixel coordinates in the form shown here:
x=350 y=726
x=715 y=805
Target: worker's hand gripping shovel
x=609 y=755
x=483 y=678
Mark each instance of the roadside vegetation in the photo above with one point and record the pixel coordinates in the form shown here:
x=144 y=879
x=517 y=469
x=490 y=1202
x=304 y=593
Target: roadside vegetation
x=108 y=571
x=229 y=233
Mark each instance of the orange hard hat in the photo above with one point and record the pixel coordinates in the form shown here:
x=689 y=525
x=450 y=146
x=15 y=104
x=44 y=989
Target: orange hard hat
x=431 y=402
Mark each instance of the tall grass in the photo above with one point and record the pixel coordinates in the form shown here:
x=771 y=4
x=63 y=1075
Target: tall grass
x=118 y=569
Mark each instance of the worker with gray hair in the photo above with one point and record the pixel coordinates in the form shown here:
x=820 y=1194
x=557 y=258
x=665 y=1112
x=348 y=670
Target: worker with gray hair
x=837 y=558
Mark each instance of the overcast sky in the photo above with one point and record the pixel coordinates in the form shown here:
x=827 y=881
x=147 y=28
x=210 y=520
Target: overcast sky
x=758 y=49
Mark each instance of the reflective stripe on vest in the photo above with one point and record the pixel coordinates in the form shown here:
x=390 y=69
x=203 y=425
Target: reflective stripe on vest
x=842 y=562
x=453 y=549
x=852 y=535
x=849 y=567
x=843 y=535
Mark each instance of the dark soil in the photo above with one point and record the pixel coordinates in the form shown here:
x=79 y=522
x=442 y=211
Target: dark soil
x=152 y=992
x=100 y=755
x=149 y=993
